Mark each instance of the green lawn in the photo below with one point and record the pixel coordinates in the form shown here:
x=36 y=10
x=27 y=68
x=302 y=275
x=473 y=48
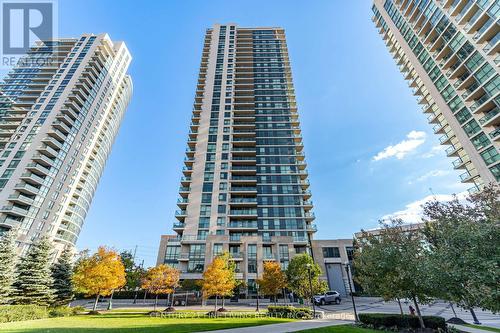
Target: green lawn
x=340 y=329
x=130 y=323
x=484 y=328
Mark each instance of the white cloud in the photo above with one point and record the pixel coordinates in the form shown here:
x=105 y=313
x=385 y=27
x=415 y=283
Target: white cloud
x=413 y=211
x=434 y=151
x=400 y=150
x=430 y=174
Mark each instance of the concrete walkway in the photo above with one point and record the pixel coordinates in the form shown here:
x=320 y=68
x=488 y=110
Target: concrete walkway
x=284 y=327
x=469 y=329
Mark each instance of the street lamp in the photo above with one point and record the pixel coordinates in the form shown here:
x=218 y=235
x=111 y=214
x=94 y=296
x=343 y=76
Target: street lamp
x=257 y=284
x=348 y=271
x=311 y=288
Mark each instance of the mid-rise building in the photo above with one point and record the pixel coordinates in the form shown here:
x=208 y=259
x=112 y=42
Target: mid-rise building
x=245 y=184
x=60 y=111
x=448 y=50
x=333 y=256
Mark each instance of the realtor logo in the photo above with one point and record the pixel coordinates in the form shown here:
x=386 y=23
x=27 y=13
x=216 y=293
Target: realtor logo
x=23 y=23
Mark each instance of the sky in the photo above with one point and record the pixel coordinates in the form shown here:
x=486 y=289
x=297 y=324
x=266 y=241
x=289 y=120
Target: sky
x=370 y=152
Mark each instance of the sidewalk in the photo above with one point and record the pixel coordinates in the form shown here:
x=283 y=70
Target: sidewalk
x=469 y=329
x=284 y=327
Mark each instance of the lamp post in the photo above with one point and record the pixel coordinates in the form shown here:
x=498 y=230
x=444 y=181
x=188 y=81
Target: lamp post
x=348 y=271
x=257 y=284
x=311 y=289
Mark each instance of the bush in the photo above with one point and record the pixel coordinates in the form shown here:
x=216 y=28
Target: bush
x=61 y=311
x=10 y=313
x=78 y=309
x=387 y=320
x=289 y=312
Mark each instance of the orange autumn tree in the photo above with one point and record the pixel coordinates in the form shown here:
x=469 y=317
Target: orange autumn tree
x=273 y=279
x=219 y=278
x=162 y=279
x=99 y=274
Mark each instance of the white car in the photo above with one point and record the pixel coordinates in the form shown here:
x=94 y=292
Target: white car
x=328 y=298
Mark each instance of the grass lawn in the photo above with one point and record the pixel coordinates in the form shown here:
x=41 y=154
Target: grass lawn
x=340 y=329
x=484 y=328
x=130 y=323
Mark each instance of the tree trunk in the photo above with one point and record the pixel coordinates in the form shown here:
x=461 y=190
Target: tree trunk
x=476 y=321
x=400 y=307
x=135 y=296
x=145 y=294
x=215 y=306
x=95 y=303
x=223 y=301
x=156 y=302
x=284 y=296
x=420 y=319
x=110 y=303
x=453 y=309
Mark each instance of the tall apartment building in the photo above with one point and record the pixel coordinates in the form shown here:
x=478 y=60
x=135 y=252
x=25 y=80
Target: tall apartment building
x=60 y=110
x=245 y=186
x=448 y=50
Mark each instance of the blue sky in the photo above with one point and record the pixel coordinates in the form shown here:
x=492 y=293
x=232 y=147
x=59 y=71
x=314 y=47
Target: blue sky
x=369 y=149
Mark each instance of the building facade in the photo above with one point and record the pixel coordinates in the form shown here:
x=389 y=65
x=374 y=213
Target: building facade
x=245 y=186
x=332 y=255
x=60 y=111
x=448 y=52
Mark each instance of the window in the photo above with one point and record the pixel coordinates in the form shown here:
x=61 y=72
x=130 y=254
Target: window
x=350 y=252
x=490 y=155
x=221 y=209
x=172 y=252
x=221 y=221
x=331 y=252
x=206 y=198
x=217 y=249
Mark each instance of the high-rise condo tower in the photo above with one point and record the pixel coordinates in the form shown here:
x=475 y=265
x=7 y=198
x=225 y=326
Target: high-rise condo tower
x=245 y=184
x=60 y=110
x=448 y=52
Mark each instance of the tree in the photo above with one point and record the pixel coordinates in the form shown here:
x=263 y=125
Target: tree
x=7 y=265
x=162 y=279
x=464 y=240
x=99 y=274
x=273 y=279
x=219 y=278
x=297 y=275
x=33 y=284
x=133 y=272
x=394 y=263
x=62 y=273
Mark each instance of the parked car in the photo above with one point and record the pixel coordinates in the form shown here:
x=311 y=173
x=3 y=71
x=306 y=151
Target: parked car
x=328 y=298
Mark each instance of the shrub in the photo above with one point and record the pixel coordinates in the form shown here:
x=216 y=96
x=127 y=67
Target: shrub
x=61 y=311
x=289 y=312
x=78 y=309
x=10 y=313
x=387 y=320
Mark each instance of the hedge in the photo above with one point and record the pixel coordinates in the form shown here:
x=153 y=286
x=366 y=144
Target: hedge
x=22 y=312
x=387 y=320
x=10 y=313
x=289 y=312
